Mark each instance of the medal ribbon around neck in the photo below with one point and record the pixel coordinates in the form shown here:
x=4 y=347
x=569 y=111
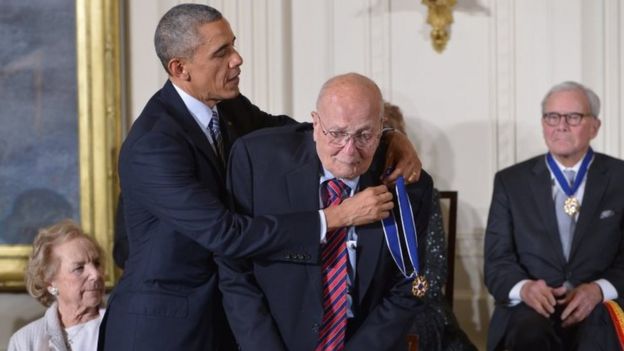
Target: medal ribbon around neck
x=393 y=240
x=561 y=179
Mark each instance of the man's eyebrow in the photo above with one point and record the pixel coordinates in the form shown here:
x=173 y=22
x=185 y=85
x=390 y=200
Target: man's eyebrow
x=224 y=46
x=221 y=48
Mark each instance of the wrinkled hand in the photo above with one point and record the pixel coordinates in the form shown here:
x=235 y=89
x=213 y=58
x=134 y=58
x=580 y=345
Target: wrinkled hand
x=367 y=206
x=402 y=158
x=540 y=297
x=580 y=302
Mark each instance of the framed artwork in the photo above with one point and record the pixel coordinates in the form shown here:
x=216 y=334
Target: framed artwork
x=61 y=126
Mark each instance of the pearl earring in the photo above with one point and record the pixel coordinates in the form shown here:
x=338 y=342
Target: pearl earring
x=53 y=290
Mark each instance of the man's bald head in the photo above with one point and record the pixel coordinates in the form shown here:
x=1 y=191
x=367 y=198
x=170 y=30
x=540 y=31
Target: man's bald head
x=347 y=124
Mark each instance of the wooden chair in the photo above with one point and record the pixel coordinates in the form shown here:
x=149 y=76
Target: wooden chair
x=448 y=204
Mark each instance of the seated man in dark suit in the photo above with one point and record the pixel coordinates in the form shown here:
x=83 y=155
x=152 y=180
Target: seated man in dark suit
x=554 y=243
x=289 y=304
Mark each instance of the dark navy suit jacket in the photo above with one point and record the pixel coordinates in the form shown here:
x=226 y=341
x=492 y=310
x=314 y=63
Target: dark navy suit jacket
x=277 y=304
x=174 y=198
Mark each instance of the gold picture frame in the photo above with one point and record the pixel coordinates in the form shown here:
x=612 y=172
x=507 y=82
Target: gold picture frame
x=99 y=134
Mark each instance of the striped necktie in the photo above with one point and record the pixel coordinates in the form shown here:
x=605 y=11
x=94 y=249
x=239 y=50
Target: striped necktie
x=334 y=274
x=215 y=134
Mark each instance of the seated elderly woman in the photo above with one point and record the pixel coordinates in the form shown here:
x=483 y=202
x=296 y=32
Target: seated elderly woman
x=65 y=274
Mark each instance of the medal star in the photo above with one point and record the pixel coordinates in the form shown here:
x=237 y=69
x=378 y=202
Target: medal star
x=571 y=206
x=420 y=285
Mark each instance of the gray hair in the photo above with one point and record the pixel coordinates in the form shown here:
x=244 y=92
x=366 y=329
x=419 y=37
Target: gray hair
x=177 y=31
x=592 y=98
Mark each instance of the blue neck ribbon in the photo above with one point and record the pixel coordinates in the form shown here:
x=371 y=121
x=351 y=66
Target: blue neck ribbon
x=561 y=179
x=408 y=227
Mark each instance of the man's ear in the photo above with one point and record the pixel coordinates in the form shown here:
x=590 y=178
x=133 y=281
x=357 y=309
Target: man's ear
x=314 y=125
x=314 y=118
x=595 y=127
x=177 y=69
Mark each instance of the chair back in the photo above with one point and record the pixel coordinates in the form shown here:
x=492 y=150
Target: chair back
x=448 y=203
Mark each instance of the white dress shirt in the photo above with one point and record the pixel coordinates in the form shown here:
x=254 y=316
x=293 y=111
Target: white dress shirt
x=201 y=112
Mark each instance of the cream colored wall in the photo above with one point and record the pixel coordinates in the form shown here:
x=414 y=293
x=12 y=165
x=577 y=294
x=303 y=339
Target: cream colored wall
x=471 y=110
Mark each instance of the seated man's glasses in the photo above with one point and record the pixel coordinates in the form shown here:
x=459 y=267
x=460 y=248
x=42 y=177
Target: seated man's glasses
x=339 y=138
x=572 y=118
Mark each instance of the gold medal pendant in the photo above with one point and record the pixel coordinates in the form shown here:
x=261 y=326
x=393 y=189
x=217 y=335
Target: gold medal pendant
x=571 y=206
x=420 y=286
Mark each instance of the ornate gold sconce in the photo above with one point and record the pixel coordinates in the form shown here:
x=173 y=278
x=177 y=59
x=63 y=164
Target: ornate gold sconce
x=440 y=17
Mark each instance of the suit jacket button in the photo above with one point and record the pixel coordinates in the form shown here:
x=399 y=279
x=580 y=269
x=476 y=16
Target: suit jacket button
x=315 y=327
x=300 y=257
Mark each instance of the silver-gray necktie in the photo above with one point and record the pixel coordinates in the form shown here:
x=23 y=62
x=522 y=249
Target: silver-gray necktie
x=565 y=222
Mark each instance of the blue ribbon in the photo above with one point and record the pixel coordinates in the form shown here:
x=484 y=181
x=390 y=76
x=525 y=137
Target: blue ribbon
x=561 y=179
x=408 y=225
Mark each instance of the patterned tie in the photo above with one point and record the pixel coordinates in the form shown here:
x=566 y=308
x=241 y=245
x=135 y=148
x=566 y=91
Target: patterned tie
x=565 y=222
x=334 y=274
x=215 y=133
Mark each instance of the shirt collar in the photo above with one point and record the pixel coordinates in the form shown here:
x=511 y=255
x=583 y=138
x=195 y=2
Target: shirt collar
x=200 y=111
x=575 y=168
x=352 y=183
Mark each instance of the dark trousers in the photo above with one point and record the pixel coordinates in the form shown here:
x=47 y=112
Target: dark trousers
x=528 y=330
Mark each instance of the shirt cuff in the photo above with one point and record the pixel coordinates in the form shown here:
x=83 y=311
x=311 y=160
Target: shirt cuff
x=608 y=290
x=514 y=293
x=323 y=227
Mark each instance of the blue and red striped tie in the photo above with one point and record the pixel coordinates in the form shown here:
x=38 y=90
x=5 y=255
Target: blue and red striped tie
x=334 y=274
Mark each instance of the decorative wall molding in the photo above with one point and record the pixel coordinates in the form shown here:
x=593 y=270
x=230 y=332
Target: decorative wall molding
x=503 y=82
x=379 y=42
x=620 y=97
x=612 y=112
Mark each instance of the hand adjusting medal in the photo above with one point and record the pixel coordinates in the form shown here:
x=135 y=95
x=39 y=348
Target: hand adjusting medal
x=410 y=240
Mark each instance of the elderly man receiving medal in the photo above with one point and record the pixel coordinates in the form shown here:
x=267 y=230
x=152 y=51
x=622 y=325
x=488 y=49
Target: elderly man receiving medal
x=554 y=243
x=360 y=293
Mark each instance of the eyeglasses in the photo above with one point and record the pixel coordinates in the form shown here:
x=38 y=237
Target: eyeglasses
x=339 y=138
x=572 y=118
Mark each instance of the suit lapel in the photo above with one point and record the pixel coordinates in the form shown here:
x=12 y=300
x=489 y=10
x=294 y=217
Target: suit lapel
x=595 y=187
x=369 y=245
x=228 y=132
x=181 y=114
x=303 y=179
x=302 y=183
x=541 y=189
